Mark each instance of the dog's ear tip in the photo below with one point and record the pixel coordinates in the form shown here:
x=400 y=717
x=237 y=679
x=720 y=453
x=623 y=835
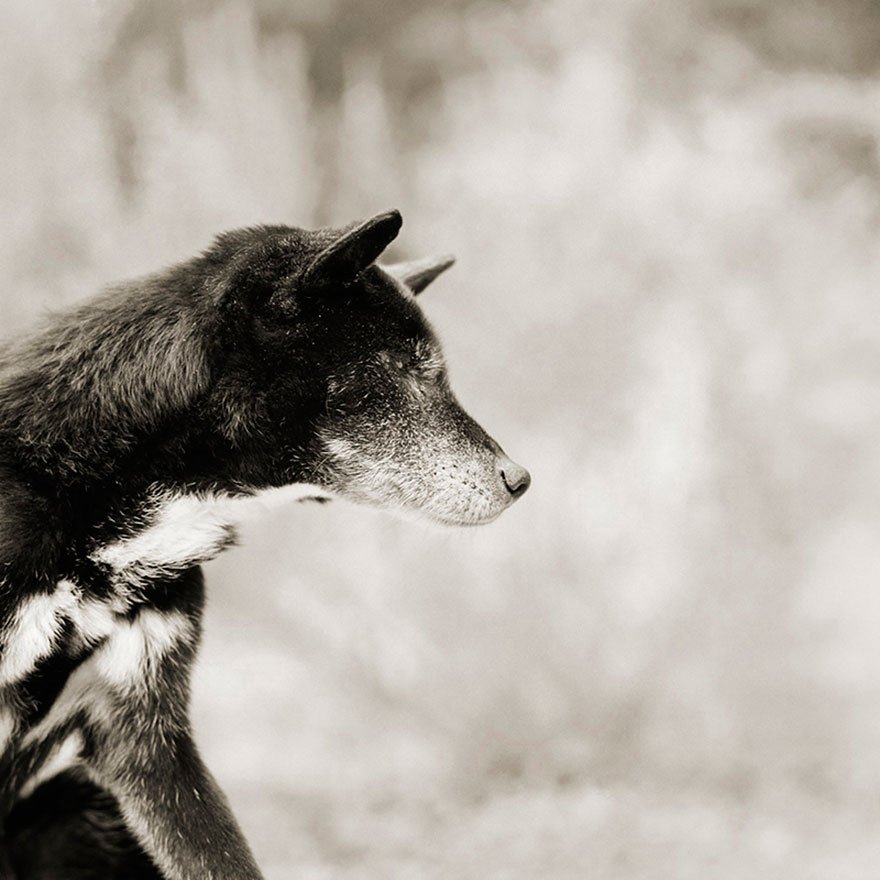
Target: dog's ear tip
x=418 y=274
x=390 y=222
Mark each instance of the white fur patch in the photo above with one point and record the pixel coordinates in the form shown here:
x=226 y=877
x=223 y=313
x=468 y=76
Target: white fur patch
x=8 y=723
x=186 y=529
x=32 y=632
x=241 y=508
x=131 y=654
x=64 y=756
x=342 y=450
x=95 y=619
x=34 y=629
x=189 y=529
x=78 y=693
x=127 y=660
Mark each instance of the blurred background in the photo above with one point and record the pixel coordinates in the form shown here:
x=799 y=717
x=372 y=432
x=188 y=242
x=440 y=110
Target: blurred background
x=665 y=661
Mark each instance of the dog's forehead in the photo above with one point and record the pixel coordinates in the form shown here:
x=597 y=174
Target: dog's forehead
x=384 y=327
x=392 y=311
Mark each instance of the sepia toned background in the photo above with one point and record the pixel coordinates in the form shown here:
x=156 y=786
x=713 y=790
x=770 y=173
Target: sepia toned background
x=664 y=662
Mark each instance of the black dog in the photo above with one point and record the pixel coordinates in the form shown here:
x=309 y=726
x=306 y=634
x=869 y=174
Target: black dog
x=130 y=430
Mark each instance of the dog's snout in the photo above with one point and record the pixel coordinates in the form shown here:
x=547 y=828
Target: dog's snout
x=515 y=476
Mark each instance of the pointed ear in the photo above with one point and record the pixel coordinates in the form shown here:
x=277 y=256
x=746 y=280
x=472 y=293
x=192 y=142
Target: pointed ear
x=418 y=274
x=343 y=260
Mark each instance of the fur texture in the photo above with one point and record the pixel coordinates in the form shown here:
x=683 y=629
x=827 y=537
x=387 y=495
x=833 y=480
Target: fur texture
x=133 y=431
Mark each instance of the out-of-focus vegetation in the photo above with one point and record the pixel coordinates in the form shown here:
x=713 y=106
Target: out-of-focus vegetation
x=664 y=662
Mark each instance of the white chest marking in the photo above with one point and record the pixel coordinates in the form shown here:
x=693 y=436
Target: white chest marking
x=62 y=757
x=95 y=619
x=128 y=661
x=34 y=629
x=32 y=632
x=8 y=723
x=130 y=657
x=188 y=529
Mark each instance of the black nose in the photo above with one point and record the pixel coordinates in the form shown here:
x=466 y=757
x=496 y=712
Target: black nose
x=515 y=477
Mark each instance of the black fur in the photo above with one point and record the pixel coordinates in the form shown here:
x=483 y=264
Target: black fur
x=70 y=829
x=278 y=357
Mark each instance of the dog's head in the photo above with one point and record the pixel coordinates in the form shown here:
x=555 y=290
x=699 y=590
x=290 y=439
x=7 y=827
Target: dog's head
x=338 y=342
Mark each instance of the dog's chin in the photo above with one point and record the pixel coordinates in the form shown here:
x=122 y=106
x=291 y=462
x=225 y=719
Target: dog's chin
x=467 y=522
x=428 y=516
x=457 y=518
x=464 y=524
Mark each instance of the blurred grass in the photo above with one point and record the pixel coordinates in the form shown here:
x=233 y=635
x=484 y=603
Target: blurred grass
x=663 y=661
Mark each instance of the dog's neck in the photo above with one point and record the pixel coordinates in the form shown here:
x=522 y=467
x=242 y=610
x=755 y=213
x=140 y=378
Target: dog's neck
x=177 y=530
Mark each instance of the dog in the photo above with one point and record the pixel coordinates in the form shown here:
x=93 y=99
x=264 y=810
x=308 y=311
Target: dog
x=131 y=431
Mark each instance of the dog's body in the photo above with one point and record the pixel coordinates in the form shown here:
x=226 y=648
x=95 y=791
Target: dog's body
x=130 y=431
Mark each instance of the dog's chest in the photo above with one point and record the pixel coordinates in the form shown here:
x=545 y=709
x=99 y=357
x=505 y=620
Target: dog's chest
x=118 y=632
x=46 y=632
x=44 y=624
x=61 y=649
x=66 y=661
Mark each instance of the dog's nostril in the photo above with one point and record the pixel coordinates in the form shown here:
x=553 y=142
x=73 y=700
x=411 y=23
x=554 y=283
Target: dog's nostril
x=515 y=477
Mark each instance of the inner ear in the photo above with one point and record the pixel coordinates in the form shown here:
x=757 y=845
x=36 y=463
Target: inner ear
x=418 y=274
x=343 y=260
